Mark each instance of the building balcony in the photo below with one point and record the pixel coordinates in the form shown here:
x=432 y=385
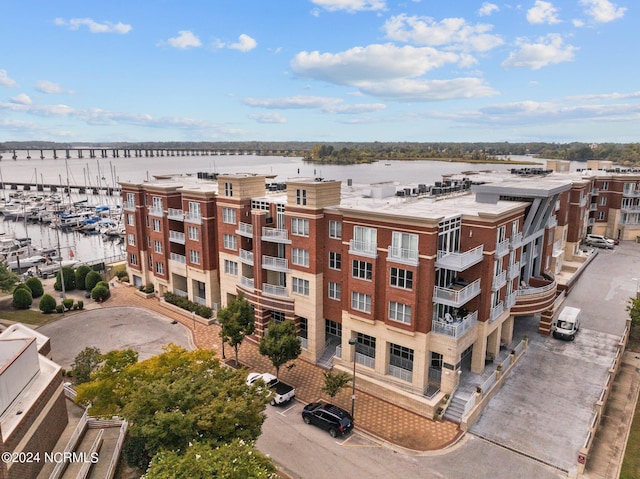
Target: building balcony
x=456 y=295
x=591 y=221
x=156 y=211
x=193 y=218
x=274 y=290
x=496 y=311
x=510 y=300
x=275 y=235
x=630 y=208
x=499 y=280
x=363 y=248
x=459 y=261
x=176 y=237
x=631 y=193
x=180 y=258
x=246 y=282
x=455 y=327
x=275 y=264
x=502 y=248
x=514 y=270
x=128 y=206
x=246 y=257
x=583 y=202
x=174 y=214
x=553 y=222
x=593 y=207
x=524 y=258
x=535 y=297
x=245 y=229
x=402 y=255
x=595 y=191
x=516 y=240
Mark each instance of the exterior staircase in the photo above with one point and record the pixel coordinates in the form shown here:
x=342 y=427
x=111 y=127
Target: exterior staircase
x=326 y=358
x=455 y=411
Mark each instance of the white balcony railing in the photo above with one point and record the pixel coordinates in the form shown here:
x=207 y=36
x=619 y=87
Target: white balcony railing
x=514 y=270
x=304 y=342
x=542 y=289
x=402 y=255
x=246 y=256
x=510 y=300
x=245 y=229
x=400 y=373
x=630 y=207
x=595 y=191
x=502 y=248
x=456 y=297
x=338 y=353
x=496 y=311
x=246 y=282
x=129 y=205
x=274 y=290
x=456 y=328
x=275 y=264
x=499 y=280
x=176 y=237
x=180 y=258
x=553 y=222
x=459 y=261
x=156 y=211
x=524 y=259
x=365 y=360
x=175 y=214
x=275 y=235
x=363 y=248
x=583 y=201
x=193 y=217
x=516 y=240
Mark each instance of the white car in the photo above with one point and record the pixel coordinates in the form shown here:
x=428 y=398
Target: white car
x=266 y=377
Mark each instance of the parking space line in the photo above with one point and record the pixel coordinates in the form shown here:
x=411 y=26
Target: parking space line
x=284 y=413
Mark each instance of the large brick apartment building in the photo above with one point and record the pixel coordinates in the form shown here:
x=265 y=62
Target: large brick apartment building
x=428 y=280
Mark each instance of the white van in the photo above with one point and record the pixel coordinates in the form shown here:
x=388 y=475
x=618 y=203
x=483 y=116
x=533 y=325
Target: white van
x=567 y=324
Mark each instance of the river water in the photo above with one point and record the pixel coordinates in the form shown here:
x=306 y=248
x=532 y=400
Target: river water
x=109 y=171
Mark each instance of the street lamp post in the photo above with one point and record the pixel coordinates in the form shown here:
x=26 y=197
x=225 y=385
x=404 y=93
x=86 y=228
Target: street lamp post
x=352 y=342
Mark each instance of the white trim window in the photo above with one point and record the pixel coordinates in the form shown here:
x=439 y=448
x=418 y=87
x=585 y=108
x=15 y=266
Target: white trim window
x=194 y=256
x=300 y=286
x=299 y=227
x=335 y=291
x=230 y=241
x=130 y=219
x=133 y=259
x=156 y=225
x=335 y=229
x=360 y=302
x=159 y=267
x=399 y=312
x=401 y=278
x=193 y=233
x=300 y=257
x=335 y=260
x=230 y=267
x=301 y=197
x=229 y=216
x=131 y=239
x=157 y=246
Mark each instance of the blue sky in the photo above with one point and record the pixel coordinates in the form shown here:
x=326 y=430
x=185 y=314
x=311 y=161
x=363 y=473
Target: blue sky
x=320 y=70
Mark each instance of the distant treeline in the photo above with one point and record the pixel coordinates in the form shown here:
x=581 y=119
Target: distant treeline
x=356 y=152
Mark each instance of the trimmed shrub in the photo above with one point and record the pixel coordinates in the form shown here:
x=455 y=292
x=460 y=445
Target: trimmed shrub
x=22 y=298
x=184 y=303
x=69 y=279
x=22 y=286
x=67 y=303
x=80 y=304
x=99 y=292
x=35 y=285
x=59 y=308
x=148 y=288
x=91 y=280
x=47 y=304
x=81 y=275
x=122 y=275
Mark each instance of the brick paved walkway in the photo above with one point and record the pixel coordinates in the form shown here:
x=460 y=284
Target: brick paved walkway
x=376 y=416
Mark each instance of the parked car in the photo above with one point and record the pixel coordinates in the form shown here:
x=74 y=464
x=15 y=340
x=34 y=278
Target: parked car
x=599 y=241
x=280 y=392
x=328 y=417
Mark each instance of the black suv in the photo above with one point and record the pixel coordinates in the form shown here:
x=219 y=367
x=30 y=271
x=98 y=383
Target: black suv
x=329 y=417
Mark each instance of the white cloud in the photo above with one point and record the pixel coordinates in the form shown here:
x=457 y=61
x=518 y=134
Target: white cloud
x=21 y=99
x=5 y=80
x=93 y=26
x=184 y=40
x=603 y=11
x=487 y=9
x=450 y=32
x=543 y=12
x=351 y=6
x=429 y=90
x=545 y=51
x=268 y=118
x=245 y=43
x=577 y=23
x=325 y=104
x=45 y=86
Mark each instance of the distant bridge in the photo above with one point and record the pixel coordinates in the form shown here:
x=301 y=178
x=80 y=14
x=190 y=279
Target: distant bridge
x=53 y=187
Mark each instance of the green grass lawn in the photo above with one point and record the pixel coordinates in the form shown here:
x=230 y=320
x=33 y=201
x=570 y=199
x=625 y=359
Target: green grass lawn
x=631 y=461
x=32 y=317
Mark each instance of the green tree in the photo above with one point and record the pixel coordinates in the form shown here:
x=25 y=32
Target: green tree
x=81 y=274
x=47 y=304
x=633 y=307
x=69 y=279
x=22 y=298
x=236 y=321
x=175 y=398
x=281 y=344
x=35 y=285
x=8 y=278
x=236 y=460
x=85 y=363
x=91 y=280
x=335 y=382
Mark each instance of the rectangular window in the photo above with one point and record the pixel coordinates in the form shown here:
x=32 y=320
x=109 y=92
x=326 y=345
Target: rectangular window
x=149 y=242
x=229 y=216
x=361 y=302
x=401 y=357
x=278 y=316
x=335 y=260
x=194 y=209
x=603 y=200
x=133 y=259
x=157 y=246
x=228 y=189
x=156 y=202
x=404 y=245
x=155 y=225
x=401 y=278
x=159 y=268
x=300 y=286
x=131 y=239
x=231 y=267
x=400 y=312
x=362 y=269
x=335 y=229
x=301 y=197
x=365 y=239
x=131 y=198
x=130 y=220
x=150 y=261
x=600 y=215
x=605 y=185
x=193 y=233
x=335 y=290
x=230 y=241
x=194 y=256
x=299 y=227
x=300 y=256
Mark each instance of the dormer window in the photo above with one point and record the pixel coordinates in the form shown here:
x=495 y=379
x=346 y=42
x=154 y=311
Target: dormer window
x=301 y=197
x=228 y=189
